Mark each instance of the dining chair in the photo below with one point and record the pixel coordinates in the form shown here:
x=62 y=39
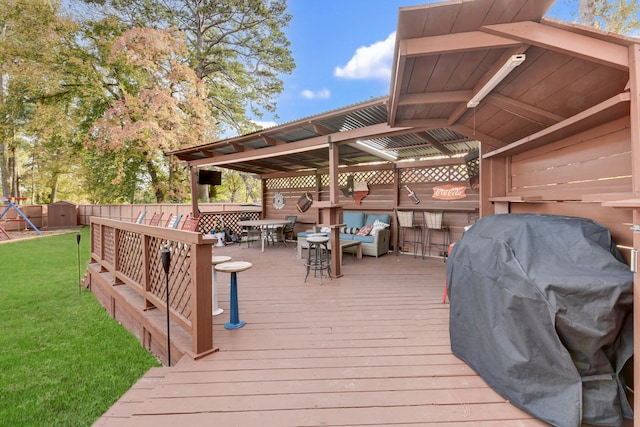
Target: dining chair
x=288 y=230
x=249 y=232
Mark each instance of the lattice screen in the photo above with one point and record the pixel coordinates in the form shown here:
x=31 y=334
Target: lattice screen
x=377 y=177
x=306 y=181
x=436 y=174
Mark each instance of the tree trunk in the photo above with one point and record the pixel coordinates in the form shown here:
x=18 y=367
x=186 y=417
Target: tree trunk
x=587 y=11
x=54 y=188
x=153 y=173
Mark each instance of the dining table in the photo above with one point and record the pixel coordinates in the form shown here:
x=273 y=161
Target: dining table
x=265 y=226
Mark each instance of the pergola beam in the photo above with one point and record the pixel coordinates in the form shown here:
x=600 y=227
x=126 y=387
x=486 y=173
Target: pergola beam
x=566 y=42
x=455 y=43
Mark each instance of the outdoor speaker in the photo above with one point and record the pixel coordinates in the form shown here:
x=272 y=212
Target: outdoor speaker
x=206 y=177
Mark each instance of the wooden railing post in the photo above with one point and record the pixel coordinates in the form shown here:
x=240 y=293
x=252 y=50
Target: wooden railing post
x=201 y=299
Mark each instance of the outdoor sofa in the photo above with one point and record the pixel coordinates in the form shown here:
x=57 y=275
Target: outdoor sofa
x=374 y=243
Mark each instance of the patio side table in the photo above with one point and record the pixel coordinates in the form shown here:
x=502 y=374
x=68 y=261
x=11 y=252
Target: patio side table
x=234 y=267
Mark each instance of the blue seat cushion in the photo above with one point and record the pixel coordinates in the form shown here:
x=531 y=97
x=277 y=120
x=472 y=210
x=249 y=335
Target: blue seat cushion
x=347 y=236
x=371 y=218
x=353 y=219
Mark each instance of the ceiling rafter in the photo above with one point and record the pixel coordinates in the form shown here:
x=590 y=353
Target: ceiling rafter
x=434 y=143
x=435 y=97
x=455 y=43
x=320 y=129
x=270 y=141
x=240 y=148
x=566 y=42
x=525 y=111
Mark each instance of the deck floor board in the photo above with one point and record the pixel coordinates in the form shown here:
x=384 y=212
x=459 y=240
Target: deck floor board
x=370 y=348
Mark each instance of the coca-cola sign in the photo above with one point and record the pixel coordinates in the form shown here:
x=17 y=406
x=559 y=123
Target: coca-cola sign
x=449 y=192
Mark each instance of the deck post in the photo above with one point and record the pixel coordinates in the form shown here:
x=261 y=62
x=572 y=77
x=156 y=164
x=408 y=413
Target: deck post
x=201 y=305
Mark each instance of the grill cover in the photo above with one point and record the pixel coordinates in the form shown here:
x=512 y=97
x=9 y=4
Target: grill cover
x=541 y=308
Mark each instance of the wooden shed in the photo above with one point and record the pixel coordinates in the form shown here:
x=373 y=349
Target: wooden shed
x=62 y=215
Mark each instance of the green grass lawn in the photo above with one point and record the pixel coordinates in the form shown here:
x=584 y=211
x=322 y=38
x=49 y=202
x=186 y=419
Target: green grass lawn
x=63 y=360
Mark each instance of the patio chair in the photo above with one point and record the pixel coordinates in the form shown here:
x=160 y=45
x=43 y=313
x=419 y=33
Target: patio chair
x=249 y=232
x=140 y=217
x=287 y=230
x=433 y=221
x=191 y=223
x=173 y=221
x=406 y=222
x=155 y=219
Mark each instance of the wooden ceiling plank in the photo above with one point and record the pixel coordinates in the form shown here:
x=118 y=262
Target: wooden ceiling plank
x=459 y=42
x=572 y=44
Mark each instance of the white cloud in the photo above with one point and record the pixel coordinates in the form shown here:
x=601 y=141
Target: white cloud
x=320 y=94
x=370 y=62
x=265 y=125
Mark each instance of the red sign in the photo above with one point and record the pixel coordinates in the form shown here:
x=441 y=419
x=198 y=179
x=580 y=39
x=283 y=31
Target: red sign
x=449 y=192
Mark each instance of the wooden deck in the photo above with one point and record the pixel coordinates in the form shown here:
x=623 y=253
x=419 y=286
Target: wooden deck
x=370 y=348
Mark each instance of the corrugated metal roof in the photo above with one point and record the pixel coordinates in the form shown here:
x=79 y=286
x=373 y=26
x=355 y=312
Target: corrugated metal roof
x=246 y=152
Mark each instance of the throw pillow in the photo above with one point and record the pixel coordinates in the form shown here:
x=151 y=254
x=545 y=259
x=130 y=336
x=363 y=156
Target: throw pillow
x=364 y=231
x=377 y=226
x=349 y=230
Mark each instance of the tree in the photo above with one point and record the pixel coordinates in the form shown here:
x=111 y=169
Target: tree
x=29 y=39
x=237 y=47
x=159 y=105
x=618 y=16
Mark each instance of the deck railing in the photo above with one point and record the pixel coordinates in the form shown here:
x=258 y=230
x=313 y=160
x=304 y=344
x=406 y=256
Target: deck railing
x=132 y=254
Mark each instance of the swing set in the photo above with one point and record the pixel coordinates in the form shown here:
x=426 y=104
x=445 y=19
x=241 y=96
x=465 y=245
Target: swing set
x=11 y=205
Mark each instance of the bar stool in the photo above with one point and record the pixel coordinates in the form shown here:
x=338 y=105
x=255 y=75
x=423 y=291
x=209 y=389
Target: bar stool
x=406 y=221
x=433 y=222
x=234 y=267
x=215 y=260
x=318 y=256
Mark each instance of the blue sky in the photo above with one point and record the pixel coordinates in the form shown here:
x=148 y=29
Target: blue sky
x=343 y=51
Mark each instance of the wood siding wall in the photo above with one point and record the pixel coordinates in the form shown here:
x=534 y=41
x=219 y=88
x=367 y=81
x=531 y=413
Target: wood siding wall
x=573 y=176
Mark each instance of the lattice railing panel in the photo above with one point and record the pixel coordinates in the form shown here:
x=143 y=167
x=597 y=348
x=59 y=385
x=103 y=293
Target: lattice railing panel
x=130 y=255
x=96 y=240
x=228 y=219
x=450 y=173
x=180 y=280
x=109 y=254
